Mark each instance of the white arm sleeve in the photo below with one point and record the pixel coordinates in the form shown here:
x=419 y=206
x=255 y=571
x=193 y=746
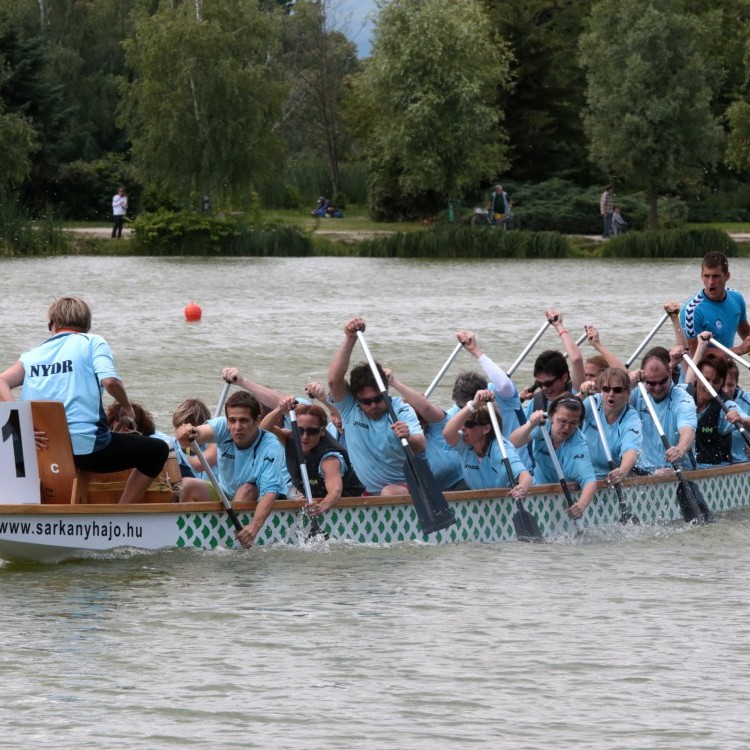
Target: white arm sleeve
x=503 y=384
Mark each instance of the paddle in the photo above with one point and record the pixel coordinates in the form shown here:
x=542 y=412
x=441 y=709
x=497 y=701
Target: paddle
x=432 y=509
x=212 y=478
x=690 y=509
x=716 y=397
x=522 y=356
x=558 y=470
x=736 y=357
x=315 y=529
x=625 y=515
x=222 y=399
x=448 y=362
x=664 y=318
x=527 y=529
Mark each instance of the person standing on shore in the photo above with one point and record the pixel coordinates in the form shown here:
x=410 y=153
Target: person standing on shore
x=606 y=209
x=119 y=209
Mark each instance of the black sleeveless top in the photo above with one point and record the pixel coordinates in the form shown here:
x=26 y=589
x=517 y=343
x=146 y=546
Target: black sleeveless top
x=352 y=486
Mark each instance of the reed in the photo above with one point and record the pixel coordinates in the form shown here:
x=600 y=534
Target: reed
x=670 y=243
x=19 y=235
x=465 y=242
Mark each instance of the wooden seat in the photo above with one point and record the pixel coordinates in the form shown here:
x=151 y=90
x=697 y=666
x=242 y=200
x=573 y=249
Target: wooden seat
x=62 y=483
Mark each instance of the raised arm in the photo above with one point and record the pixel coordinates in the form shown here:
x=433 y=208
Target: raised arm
x=452 y=429
x=673 y=310
x=268 y=397
x=702 y=342
x=340 y=363
x=522 y=435
x=613 y=360
x=495 y=374
x=577 y=375
x=271 y=422
x=424 y=407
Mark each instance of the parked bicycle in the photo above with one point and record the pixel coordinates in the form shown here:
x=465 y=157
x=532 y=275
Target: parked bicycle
x=483 y=218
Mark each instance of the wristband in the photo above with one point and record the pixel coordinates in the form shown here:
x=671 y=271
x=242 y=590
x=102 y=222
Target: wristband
x=560 y=333
x=470 y=406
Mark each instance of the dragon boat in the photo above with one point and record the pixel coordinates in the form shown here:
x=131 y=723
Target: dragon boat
x=50 y=512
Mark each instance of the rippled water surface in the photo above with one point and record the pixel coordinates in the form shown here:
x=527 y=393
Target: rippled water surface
x=632 y=638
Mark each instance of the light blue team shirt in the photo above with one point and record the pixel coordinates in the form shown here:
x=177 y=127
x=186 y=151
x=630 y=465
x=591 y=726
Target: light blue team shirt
x=374 y=450
x=488 y=471
x=263 y=463
x=444 y=462
x=742 y=399
x=675 y=411
x=721 y=318
x=624 y=435
x=70 y=367
x=573 y=455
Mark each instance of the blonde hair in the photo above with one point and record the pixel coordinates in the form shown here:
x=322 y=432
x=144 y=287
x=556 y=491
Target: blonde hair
x=70 y=312
x=191 y=411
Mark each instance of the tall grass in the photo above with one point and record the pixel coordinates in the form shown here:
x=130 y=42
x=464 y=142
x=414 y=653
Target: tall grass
x=670 y=243
x=20 y=236
x=465 y=242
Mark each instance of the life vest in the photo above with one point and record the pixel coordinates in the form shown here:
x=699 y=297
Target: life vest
x=352 y=486
x=711 y=447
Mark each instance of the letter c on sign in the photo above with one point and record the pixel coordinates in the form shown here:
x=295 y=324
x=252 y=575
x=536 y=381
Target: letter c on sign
x=55 y=468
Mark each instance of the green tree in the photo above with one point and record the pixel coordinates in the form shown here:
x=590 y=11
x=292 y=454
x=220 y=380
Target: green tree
x=543 y=108
x=205 y=97
x=317 y=61
x=424 y=103
x=649 y=92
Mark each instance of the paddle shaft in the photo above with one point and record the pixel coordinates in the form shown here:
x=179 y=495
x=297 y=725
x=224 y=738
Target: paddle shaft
x=736 y=357
x=300 y=453
x=522 y=356
x=715 y=396
x=501 y=444
x=222 y=399
x=657 y=423
x=212 y=478
x=431 y=387
x=558 y=469
x=664 y=318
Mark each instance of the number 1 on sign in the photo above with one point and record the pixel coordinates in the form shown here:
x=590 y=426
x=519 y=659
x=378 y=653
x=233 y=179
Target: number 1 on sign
x=19 y=472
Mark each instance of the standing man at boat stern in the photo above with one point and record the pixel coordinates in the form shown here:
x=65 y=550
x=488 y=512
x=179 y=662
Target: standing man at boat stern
x=716 y=308
x=250 y=462
x=373 y=441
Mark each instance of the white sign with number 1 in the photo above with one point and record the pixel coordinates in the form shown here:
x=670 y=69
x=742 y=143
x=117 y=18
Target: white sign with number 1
x=19 y=471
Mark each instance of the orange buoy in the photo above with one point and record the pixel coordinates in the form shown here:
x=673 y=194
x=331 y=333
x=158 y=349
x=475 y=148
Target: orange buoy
x=193 y=312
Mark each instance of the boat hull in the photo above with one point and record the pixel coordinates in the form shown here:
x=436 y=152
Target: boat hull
x=56 y=532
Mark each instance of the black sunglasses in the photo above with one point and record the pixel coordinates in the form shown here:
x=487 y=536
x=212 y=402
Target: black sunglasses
x=309 y=430
x=654 y=383
x=616 y=389
x=374 y=400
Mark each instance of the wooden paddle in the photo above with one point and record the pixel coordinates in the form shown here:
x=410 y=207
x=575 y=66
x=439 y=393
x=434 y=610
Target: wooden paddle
x=448 y=362
x=625 y=515
x=664 y=318
x=432 y=509
x=527 y=529
x=215 y=482
x=690 y=509
x=558 y=470
x=315 y=529
x=716 y=398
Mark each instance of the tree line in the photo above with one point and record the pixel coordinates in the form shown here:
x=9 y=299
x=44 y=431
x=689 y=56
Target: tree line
x=206 y=100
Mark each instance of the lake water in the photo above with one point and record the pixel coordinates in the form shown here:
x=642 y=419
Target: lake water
x=633 y=638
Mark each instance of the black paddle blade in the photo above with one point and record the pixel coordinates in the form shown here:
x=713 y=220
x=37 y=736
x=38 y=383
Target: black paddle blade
x=692 y=503
x=433 y=510
x=316 y=530
x=627 y=517
x=527 y=529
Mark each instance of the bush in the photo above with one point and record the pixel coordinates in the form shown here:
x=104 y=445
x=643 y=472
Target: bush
x=721 y=206
x=466 y=242
x=670 y=243
x=190 y=233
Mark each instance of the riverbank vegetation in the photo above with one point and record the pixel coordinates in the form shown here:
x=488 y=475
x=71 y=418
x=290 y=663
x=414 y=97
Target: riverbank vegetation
x=227 y=119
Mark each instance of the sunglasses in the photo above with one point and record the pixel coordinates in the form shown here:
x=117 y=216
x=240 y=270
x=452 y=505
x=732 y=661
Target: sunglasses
x=654 y=383
x=310 y=430
x=543 y=384
x=473 y=423
x=616 y=389
x=374 y=400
